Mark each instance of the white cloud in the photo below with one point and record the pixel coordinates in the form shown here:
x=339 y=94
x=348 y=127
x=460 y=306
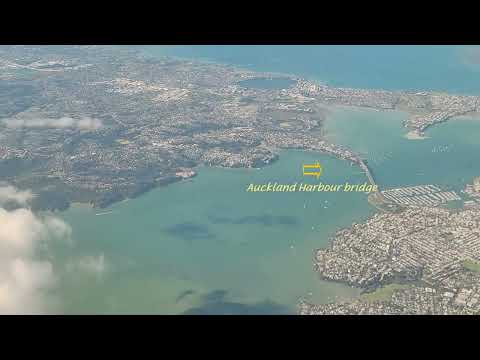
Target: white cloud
x=25 y=286
x=27 y=282
x=28 y=278
x=85 y=123
x=10 y=194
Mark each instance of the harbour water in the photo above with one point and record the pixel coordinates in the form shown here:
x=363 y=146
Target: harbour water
x=211 y=236
x=397 y=161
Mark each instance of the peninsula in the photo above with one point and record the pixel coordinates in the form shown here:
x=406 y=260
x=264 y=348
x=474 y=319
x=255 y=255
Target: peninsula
x=98 y=124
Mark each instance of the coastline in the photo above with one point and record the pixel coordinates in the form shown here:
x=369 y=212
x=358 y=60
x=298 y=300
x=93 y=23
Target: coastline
x=92 y=204
x=415 y=135
x=82 y=205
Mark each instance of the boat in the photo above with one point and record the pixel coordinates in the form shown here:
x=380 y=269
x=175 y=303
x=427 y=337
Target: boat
x=104 y=213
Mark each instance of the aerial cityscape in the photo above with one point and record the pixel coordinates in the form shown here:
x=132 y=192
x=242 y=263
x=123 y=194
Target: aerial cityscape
x=105 y=146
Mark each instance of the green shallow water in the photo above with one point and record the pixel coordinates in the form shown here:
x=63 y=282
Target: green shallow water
x=209 y=236
x=207 y=246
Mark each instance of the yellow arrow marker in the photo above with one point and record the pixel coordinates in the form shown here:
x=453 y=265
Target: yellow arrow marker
x=312 y=170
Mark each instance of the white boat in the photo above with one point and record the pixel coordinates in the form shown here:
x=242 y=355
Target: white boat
x=104 y=213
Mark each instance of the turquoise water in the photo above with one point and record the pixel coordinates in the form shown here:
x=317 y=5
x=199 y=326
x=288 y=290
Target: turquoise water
x=454 y=69
x=447 y=157
x=207 y=246
x=209 y=236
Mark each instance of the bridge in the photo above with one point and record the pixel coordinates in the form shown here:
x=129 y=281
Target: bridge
x=366 y=170
x=346 y=154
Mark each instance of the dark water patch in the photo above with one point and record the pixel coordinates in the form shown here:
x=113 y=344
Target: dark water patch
x=267 y=83
x=215 y=303
x=184 y=294
x=215 y=296
x=265 y=220
x=190 y=231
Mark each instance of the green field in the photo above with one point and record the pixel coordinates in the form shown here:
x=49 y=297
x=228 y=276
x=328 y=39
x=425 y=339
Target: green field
x=383 y=293
x=471 y=265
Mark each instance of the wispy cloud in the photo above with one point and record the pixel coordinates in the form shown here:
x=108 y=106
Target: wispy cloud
x=10 y=194
x=92 y=265
x=85 y=123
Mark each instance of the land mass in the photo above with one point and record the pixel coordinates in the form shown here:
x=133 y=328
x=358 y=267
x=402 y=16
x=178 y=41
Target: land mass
x=419 y=259
x=99 y=124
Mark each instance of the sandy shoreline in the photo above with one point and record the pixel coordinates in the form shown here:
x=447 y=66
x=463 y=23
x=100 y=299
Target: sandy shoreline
x=86 y=205
x=414 y=135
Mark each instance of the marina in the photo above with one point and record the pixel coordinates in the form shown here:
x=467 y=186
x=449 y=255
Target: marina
x=422 y=195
